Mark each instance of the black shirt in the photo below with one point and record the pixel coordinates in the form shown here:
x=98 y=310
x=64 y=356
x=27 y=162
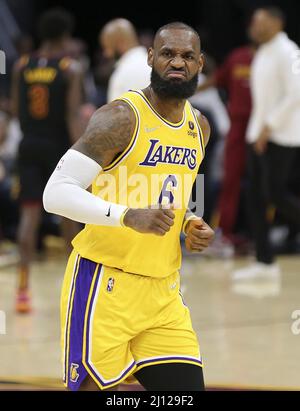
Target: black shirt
x=42 y=98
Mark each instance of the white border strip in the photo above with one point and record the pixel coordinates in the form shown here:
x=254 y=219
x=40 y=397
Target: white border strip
x=66 y=320
x=163 y=357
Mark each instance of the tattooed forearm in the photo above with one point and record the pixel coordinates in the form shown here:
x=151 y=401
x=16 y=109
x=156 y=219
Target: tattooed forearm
x=108 y=133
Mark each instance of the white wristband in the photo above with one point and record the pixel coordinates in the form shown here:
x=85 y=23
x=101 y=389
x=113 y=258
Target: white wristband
x=65 y=193
x=186 y=220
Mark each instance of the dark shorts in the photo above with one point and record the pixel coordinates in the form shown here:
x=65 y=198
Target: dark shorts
x=37 y=159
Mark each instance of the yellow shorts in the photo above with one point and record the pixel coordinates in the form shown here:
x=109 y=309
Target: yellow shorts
x=115 y=323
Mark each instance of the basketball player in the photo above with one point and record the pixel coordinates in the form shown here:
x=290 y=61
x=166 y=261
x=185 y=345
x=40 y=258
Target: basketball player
x=122 y=312
x=46 y=95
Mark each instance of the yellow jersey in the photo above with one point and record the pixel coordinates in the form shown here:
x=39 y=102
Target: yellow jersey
x=159 y=166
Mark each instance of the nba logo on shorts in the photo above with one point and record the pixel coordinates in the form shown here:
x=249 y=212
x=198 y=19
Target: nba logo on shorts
x=110 y=285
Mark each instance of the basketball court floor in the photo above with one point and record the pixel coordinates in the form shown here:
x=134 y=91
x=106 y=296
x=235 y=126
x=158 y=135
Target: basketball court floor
x=246 y=331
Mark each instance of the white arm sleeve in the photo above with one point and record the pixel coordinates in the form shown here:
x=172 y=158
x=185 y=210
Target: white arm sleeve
x=65 y=193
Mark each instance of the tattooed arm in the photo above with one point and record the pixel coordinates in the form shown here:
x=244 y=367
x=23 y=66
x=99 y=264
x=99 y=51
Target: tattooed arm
x=107 y=135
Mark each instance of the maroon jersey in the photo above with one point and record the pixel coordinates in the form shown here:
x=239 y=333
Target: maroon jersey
x=234 y=75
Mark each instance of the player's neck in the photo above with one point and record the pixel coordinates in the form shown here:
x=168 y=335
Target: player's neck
x=169 y=108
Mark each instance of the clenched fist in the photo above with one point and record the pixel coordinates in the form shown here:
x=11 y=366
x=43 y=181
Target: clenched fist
x=199 y=235
x=148 y=220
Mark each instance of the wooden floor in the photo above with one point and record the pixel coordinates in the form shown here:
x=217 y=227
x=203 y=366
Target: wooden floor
x=244 y=329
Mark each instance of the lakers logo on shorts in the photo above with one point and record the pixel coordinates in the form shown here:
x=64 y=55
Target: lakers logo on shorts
x=110 y=285
x=73 y=372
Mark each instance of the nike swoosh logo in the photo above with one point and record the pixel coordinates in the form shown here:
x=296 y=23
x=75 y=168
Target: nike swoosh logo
x=108 y=213
x=150 y=130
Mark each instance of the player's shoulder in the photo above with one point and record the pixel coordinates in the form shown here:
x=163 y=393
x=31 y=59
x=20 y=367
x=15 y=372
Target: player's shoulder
x=21 y=62
x=202 y=119
x=70 y=65
x=116 y=115
x=286 y=46
x=204 y=124
x=108 y=132
x=117 y=106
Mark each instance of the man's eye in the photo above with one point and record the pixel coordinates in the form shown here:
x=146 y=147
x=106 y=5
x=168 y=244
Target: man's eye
x=166 y=54
x=190 y=57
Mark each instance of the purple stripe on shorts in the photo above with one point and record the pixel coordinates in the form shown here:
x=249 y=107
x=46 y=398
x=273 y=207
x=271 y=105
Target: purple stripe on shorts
x=83 y=283
x=68 y=321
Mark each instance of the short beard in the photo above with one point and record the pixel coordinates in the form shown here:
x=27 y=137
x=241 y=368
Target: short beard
x=173 y=88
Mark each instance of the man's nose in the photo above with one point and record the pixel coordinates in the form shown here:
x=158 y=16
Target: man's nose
x=177 y=62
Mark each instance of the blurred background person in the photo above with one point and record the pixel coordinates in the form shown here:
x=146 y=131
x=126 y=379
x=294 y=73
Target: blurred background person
x=77 y=50
x=209 y=103
x=120 y=42
x=146 y=38
x=233 y=77
x=273 y=135
x=10 y=136
x=103 y=68
x=209 y=98
x=46 y=96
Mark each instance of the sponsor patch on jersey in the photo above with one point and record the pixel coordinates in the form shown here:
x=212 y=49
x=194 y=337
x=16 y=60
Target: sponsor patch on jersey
x=192 y=133
x=191 y=125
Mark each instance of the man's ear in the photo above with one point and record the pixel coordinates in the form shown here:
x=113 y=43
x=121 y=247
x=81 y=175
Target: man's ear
x=150 y=57
x=201 y=62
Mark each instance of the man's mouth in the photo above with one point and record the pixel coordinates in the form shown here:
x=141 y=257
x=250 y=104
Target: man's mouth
x=176 y=74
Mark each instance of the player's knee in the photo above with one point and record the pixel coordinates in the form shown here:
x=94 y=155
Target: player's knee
x=171 y=377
